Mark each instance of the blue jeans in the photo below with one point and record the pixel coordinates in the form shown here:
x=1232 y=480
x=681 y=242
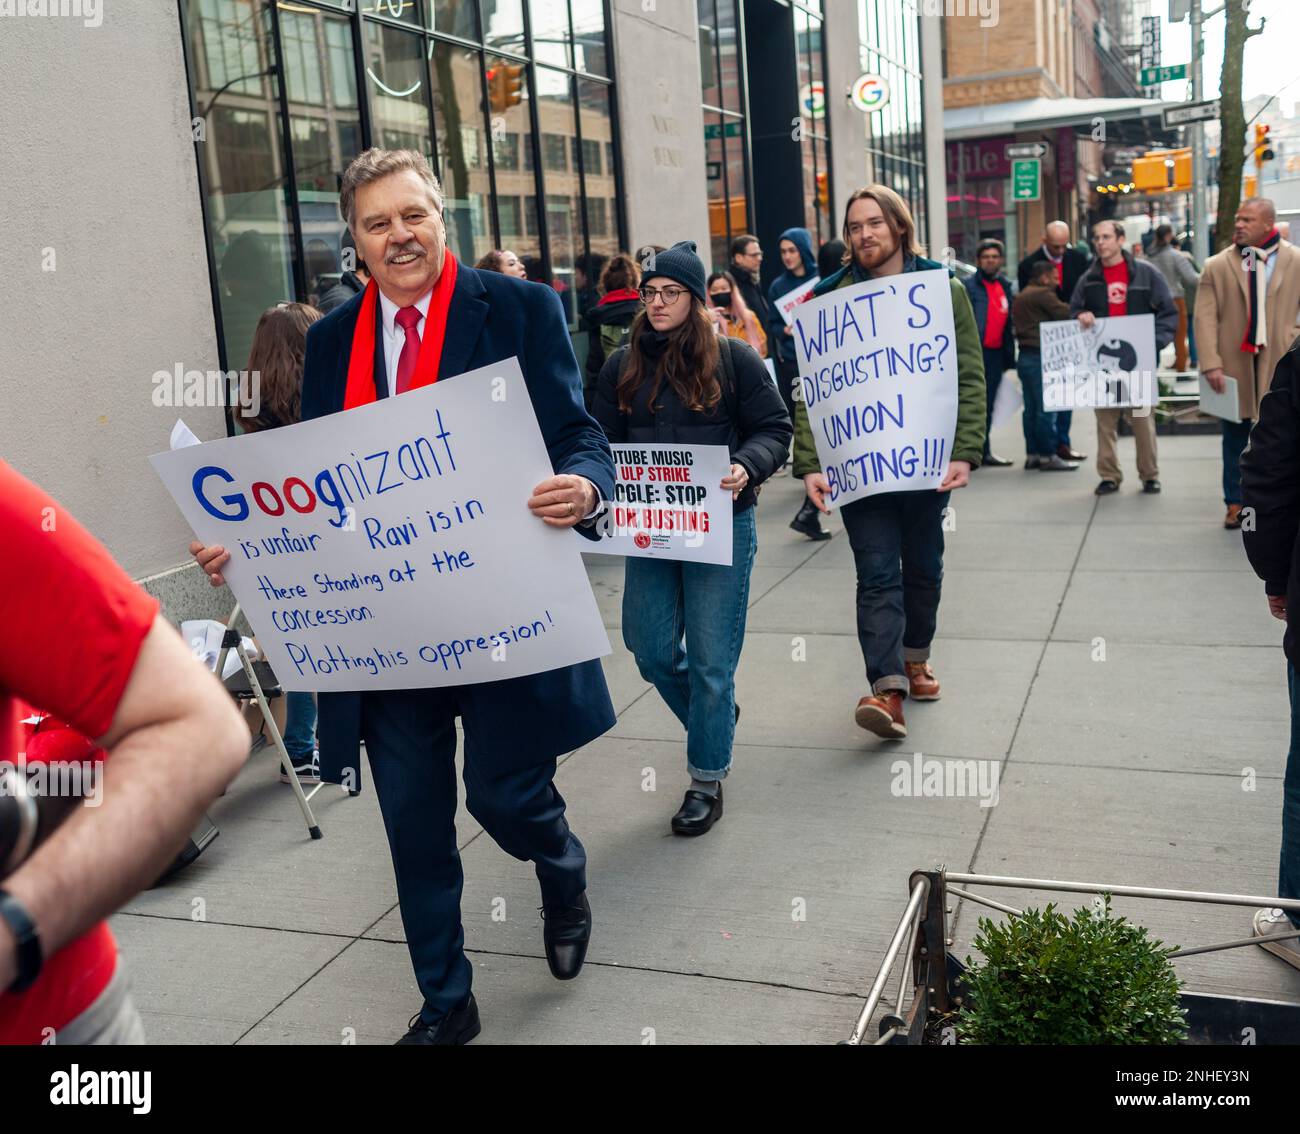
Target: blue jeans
x=1039 y=426
x=1062 y=421
x=299 y=726
x=897 y=541
x=1288 y=877
x=668 y=600
x=1235 y=436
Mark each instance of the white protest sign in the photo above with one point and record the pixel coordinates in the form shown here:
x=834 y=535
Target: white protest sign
x=668 y=504
x=878 y=370
x=791 y=299
x=1110 y=364
x=391 y=546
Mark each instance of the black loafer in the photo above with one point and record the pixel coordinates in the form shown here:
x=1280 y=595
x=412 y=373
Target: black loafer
x=458 y=1027
x=698 y=812
x=1151 y=487
x=566 y=934
x=1105 y=488
x=996 y=462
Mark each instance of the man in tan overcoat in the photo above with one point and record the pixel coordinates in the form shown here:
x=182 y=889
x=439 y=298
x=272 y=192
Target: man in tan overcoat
x=1246 y=317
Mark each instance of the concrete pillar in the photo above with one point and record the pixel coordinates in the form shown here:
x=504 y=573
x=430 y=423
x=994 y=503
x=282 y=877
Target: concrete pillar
x=661 y=124
x=848 y=125
x=936 y=183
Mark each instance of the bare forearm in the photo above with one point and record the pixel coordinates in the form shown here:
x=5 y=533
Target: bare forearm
x=153 y=790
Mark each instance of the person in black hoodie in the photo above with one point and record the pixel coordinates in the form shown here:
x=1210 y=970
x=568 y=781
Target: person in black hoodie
x=609 y=322
x=800 y=266
x=1270 y=529
x=678 y=382
x=353 y=280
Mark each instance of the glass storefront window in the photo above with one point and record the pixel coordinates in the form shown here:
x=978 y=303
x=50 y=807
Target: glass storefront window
x=555 y=114
x=512 y=139
x=405 y=10
x=287 y=103
x=454 y=17
x=589 y=36
x=461 y=162
x=551 y=39
x=395 y=70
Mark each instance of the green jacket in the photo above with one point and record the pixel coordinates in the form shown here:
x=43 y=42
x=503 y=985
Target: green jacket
x=972 y=406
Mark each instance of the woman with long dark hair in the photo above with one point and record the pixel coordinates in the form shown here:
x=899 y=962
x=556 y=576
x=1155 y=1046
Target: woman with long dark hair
x=679 y=382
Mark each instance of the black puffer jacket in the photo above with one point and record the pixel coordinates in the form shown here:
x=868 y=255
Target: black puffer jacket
x=1270 y=488
x=749 y=419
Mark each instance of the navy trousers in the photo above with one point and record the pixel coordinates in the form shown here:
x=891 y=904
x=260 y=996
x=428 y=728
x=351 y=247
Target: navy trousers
x=410 y=737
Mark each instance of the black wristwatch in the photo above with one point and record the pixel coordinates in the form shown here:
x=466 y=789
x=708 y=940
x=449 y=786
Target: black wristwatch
x=14 y=914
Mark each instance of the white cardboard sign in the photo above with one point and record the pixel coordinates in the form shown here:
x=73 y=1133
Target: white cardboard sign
x=1110 y=364
x=791 y=299
x=391 y=546
x=668 y=504
x=878 y=376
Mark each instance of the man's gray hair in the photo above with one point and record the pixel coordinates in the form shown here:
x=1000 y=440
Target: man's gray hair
x=376 y=163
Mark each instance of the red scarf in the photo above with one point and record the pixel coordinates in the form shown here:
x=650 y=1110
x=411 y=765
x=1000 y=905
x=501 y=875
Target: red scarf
x=361 y=363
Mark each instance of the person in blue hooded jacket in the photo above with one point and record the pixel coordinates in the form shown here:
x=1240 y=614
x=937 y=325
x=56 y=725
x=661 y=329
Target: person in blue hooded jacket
x=800 y=266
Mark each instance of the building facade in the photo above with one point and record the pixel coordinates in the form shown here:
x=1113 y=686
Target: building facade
x=564 y=130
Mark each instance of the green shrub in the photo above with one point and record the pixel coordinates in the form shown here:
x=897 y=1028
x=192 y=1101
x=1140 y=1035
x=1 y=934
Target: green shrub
x=1096 y=979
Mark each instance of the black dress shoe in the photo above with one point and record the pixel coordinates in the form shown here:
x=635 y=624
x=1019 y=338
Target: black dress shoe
x=993 y=460
x=1105 y=488
x=698 y=812
x=1068 y=454
x=566 y=934
x=1151 y=487
x=458 y=1027
x=807 y=521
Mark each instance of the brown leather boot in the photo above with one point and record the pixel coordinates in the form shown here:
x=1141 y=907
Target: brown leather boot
x=921 y=680
x=883 y=715
x=1233 y=518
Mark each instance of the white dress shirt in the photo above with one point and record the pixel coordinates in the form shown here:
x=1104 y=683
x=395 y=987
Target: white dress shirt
x=395 y=337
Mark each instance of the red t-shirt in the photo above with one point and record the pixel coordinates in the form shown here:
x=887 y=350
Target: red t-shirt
x=996 y=323
x=70 y=631
x=1117 y=287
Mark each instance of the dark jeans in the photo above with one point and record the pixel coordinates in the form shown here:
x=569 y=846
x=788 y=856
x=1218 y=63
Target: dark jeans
x=1235 y=436
x=992 y=380
x=410 y=736
x=1038 y=424
x=897 y=541
x=299 y=726
x=1062 y=421
x=1288 y=877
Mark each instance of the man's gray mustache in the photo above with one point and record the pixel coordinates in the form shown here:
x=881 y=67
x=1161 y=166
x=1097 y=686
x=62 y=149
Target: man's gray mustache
x=402 y=251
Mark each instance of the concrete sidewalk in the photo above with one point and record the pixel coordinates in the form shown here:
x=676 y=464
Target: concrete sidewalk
x=1124 y=770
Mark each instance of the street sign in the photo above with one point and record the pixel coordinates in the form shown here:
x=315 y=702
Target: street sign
x=1152 y=76
x=869 y=92
x=1149 y=58
x=1189 y=112
x=715 y=129
x=1026 y=179
x=1025 y=150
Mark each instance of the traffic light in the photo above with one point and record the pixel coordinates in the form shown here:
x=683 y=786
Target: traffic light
x=505 y=86
x=1163 y=171
x=823 y=191
x=1263 y=145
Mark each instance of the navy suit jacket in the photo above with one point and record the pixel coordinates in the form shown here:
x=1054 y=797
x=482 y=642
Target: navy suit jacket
x=525 y=720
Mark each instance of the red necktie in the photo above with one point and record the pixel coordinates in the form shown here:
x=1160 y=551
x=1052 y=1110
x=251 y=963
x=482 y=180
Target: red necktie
x=407 y=318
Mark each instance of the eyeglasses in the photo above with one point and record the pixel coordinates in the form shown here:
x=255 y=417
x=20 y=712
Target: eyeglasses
x=669 y=295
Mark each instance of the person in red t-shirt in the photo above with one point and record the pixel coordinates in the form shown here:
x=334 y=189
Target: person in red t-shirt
x=1118 y=284
x=80 y=640
x=990 y=298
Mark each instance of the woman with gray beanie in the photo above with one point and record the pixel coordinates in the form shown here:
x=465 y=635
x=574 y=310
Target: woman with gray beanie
x=678 y=382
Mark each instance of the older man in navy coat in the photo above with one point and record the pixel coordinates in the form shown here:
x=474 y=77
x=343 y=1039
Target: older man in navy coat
x=424 y=317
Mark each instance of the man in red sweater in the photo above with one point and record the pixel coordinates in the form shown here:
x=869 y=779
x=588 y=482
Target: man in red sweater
x=79 y=639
